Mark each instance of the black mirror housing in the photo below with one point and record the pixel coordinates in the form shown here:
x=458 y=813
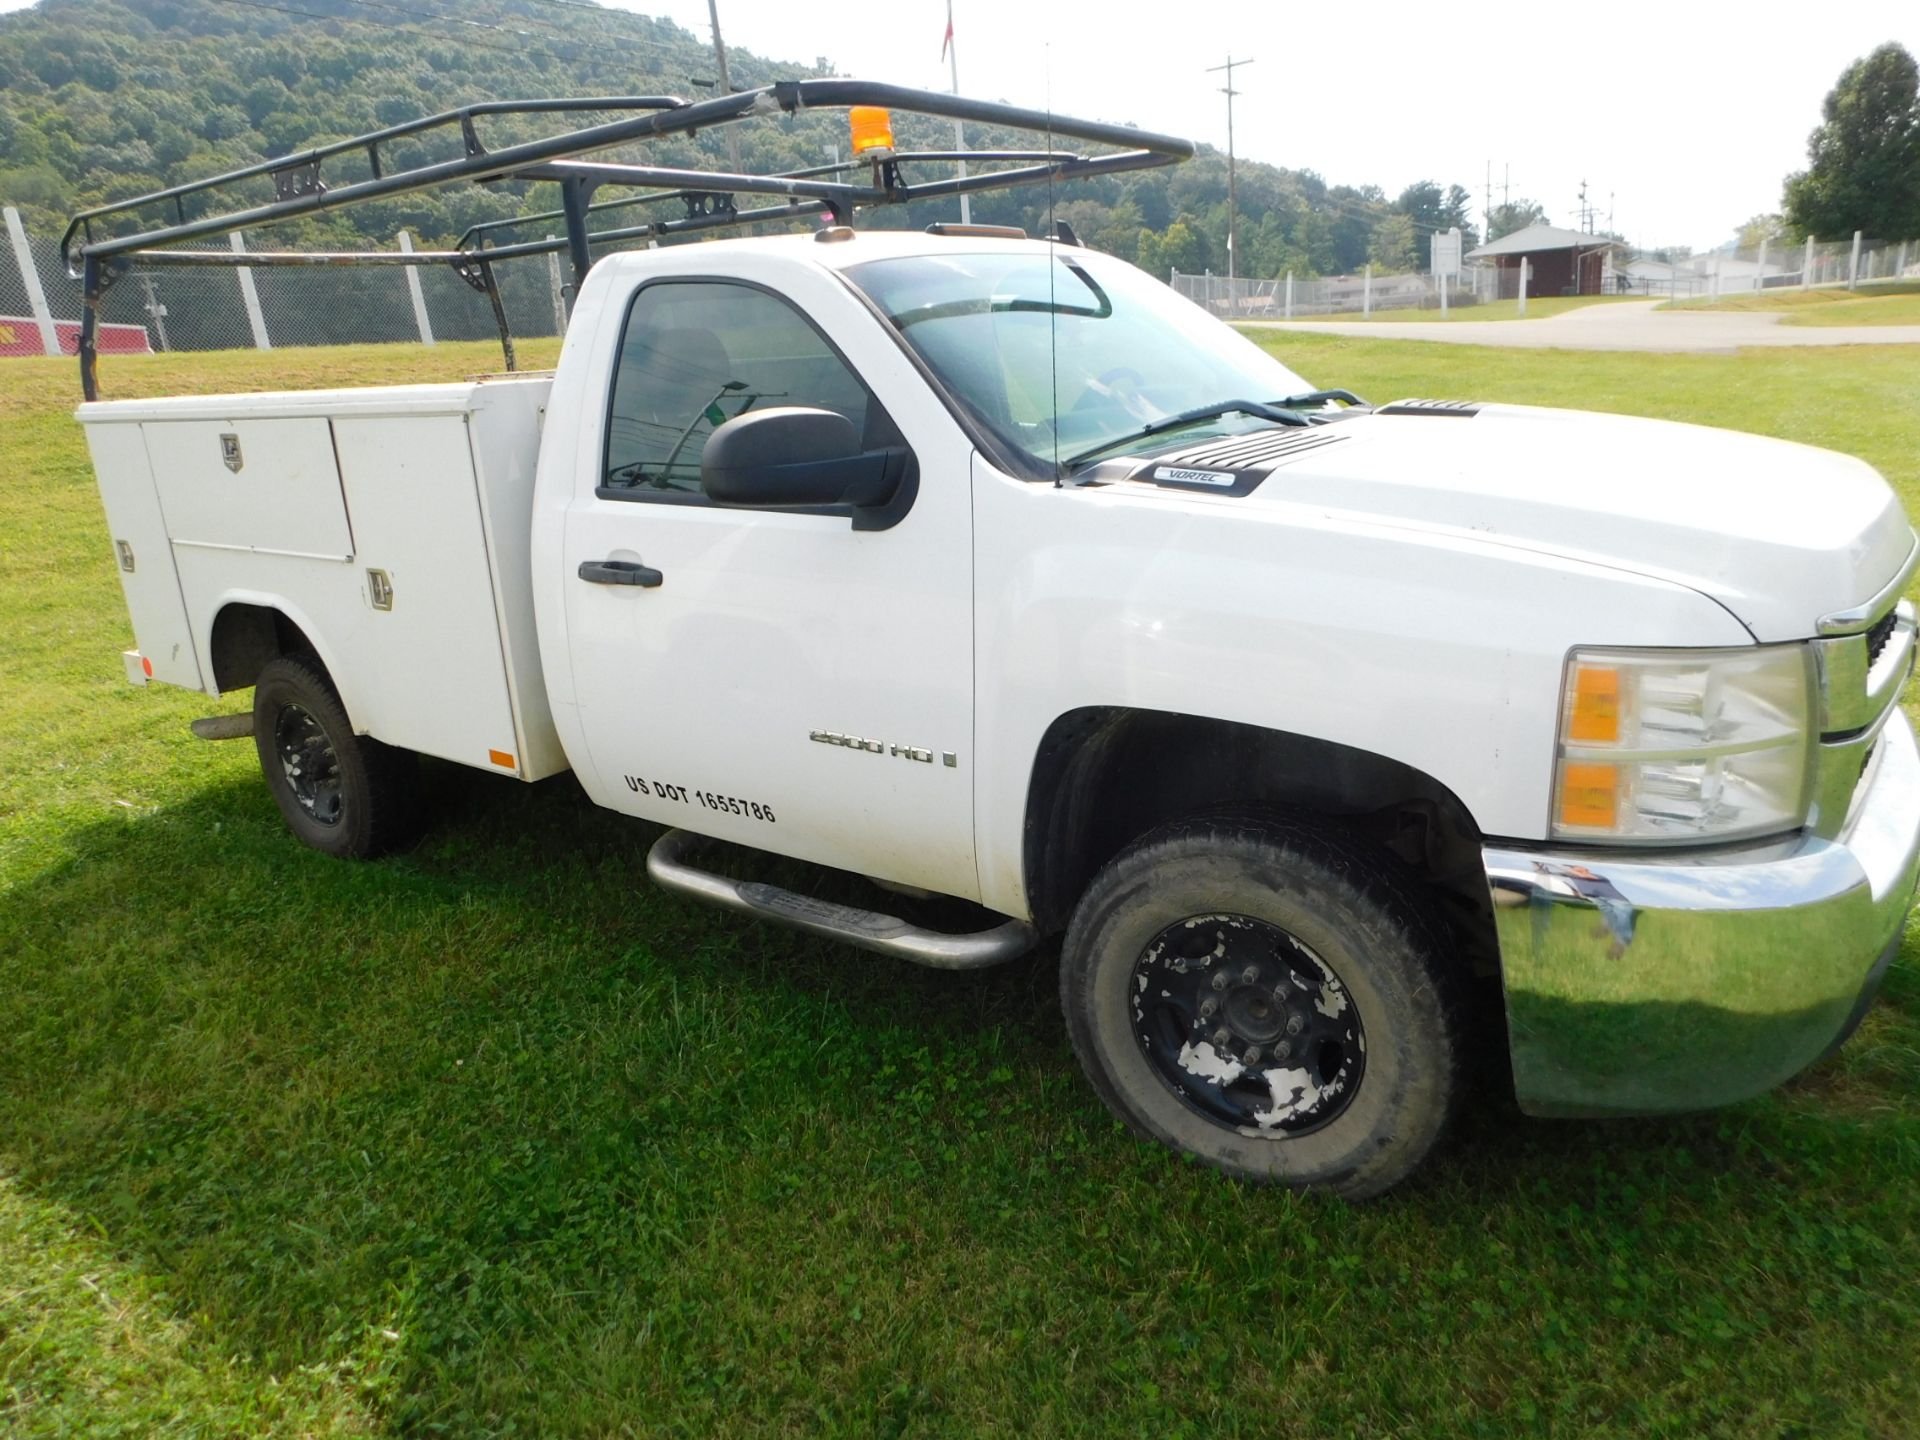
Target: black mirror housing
x=794 y=455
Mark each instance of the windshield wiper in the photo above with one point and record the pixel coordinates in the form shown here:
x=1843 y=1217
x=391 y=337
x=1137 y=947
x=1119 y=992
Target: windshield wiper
x=1192 y=417
x=1321 y=397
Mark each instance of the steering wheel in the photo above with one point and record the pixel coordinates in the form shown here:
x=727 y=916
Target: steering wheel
x=1119 y=386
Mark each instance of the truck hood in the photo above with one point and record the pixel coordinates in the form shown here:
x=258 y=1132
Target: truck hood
x=1778 y=533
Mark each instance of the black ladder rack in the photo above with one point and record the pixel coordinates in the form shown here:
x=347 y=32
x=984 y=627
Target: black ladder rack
x=102 y=244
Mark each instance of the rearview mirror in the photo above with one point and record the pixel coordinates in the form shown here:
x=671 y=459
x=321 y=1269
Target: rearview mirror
x=794 y=455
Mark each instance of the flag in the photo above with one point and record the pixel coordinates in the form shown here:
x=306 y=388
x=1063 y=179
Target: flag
x=947 y=39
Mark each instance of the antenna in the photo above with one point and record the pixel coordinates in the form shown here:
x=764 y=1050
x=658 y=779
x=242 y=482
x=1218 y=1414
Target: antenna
x=959 y=130
x=1053 y=309
x=1233 y=205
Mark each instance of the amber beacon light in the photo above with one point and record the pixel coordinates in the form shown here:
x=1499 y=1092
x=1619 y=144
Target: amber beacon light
x=872 y=128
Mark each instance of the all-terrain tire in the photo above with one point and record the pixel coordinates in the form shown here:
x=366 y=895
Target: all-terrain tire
x=345 y=794
x=1350 y=1110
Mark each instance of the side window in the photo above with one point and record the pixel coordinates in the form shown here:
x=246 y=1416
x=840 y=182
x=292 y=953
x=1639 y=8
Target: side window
x=695 y=354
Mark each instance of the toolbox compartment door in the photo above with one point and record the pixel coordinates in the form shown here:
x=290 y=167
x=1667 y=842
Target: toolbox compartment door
x=426 y=641
x=266 y=485
x=142 y=555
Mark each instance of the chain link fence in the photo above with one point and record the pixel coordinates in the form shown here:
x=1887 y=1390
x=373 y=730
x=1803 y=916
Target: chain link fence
x=1777 y=264
x=1773 y=265
x=217 y=308
x=1289 y=297
x=260 y=307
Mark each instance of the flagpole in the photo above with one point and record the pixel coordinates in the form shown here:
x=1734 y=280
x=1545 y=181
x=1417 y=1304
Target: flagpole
x=959 y=131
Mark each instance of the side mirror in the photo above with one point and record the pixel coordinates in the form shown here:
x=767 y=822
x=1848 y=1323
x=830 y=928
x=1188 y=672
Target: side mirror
x=793 y=455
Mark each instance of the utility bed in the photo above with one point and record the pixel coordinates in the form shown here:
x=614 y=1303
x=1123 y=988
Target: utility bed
x=390 y=525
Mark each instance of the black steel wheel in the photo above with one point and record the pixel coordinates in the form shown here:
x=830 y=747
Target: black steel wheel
x=342 y=793
x=1247 y=1025
x=1269 y=997
x=309 y=767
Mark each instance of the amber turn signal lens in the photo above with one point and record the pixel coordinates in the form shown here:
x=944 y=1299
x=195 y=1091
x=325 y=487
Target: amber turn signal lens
x=1596 y=706
x=872 y=128
x=1589 y=795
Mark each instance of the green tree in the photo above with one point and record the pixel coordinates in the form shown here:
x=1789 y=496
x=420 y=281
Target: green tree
x=1423 y=202
x=1395 y=245
x=1433 y=210
x=1457 y=213
x=1864 y=158
x=1515 y=215
x=1183 y=247
x=1768 y=228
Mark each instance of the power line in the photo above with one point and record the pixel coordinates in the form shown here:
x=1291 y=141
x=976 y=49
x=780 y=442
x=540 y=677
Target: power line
x=604 y=11
x=545 y=31
x=384 y=24
x=439 y=16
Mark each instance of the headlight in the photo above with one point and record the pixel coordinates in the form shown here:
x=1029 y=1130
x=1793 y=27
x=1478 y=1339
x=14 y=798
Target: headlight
x=1683 y=745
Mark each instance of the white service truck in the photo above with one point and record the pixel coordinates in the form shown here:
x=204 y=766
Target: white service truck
x=1332 y=738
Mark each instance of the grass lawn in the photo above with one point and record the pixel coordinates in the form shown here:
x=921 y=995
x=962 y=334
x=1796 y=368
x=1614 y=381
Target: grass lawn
x=491 y=1138
x=1538 y=308
x=1894 y=302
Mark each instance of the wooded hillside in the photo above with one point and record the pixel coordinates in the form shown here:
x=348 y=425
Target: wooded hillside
x=100 y=99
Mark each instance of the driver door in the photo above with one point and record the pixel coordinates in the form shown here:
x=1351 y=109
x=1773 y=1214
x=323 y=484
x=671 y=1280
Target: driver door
x=788 y=682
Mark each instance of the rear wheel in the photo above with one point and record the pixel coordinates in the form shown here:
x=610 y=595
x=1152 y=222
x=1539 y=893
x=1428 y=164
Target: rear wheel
x=1268 y=998
x=344 y=794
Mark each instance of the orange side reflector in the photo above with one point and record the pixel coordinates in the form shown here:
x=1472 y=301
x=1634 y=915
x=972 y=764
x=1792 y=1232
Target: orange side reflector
x=146 y=667
x=502 y=759
x=1589 y=795
x=1596 y=706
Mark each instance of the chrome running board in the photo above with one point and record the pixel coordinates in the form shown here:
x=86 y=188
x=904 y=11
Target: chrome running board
x=869 y=929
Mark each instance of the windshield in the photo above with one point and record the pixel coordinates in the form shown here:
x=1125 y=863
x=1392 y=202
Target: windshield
x=1061 y=355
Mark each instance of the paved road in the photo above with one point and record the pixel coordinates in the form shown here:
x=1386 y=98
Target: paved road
x=1629 y=325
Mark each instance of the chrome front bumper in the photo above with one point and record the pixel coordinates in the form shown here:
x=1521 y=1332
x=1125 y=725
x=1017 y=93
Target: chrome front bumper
x=1640 y=984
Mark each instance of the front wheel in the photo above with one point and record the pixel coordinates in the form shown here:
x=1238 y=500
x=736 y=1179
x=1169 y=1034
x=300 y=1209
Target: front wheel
x=345 y=794
x=1268 y=998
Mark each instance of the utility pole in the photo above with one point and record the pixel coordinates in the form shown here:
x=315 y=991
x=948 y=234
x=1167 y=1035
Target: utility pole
x=1233 y=199
x=158 y=311
x=1586 y=215
x=726 y=83
x=959 y=130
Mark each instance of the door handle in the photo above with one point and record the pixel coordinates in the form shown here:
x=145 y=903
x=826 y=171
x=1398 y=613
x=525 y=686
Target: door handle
x=620 y=572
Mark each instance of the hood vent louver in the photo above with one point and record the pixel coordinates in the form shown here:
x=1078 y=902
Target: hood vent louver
x=1236 y=465
x=1264 y=450
x=1464 y=409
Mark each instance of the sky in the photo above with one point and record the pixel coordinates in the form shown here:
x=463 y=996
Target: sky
x=1682 y=122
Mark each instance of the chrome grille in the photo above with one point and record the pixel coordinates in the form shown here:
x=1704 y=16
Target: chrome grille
x=1879 y=635
x=1860 y=680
